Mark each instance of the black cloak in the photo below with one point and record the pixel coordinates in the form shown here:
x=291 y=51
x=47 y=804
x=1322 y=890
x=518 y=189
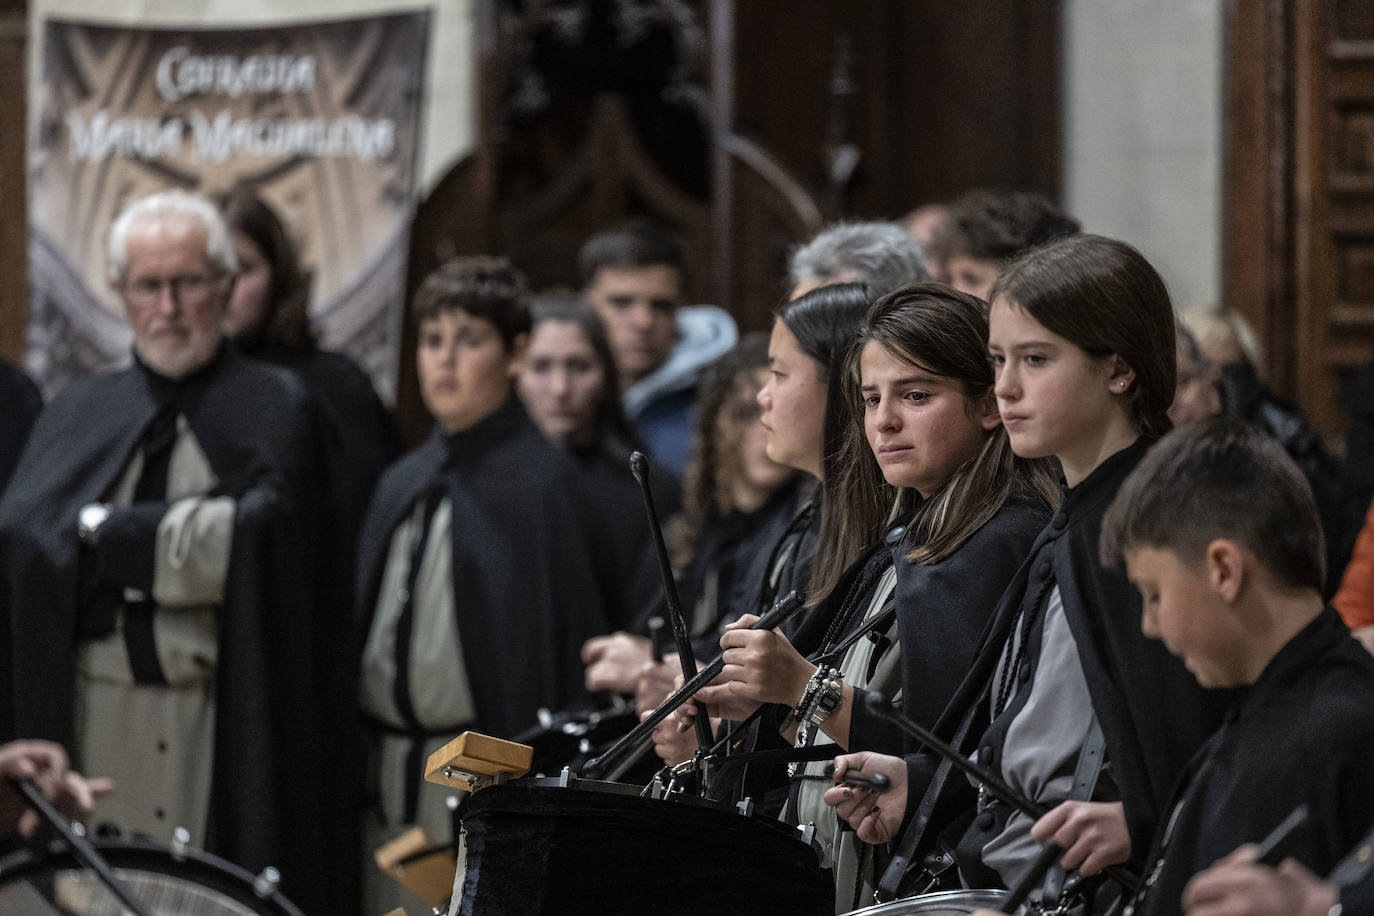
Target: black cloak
x=535 y=570
x=1153 y=714
x=22 y=402
x=272 y=798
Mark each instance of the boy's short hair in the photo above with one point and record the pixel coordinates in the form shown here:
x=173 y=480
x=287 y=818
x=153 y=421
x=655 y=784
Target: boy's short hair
x=637 y=242
x=481 y=285
x=999 y=226
x=1219 y=477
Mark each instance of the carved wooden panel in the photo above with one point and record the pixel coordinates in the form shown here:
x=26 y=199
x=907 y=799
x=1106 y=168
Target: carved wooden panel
x=1334 y=190
x=13 y=227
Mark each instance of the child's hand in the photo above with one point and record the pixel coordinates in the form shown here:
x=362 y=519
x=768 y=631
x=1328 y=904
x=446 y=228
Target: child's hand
x=1236 y=886
x=1092 y=834
x=875 y=818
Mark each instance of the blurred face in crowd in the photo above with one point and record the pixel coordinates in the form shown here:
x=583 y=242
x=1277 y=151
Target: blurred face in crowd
x=793 y=403
x=1196 y=395
x=562 y=382
x=974 y=276
x=174 y=296
x=464 y=367
x=252 y=285
x=742 y=441
x=638 y=306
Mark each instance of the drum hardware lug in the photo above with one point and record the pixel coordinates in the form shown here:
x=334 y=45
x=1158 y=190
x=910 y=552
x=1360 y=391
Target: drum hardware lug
x=584 y=746
x=265 y=884
x=545 y=717
x=181 y=842
x=745 y=806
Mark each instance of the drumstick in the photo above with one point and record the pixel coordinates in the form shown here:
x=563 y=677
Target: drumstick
x=83 y=851
x=1021 y=890
x=982 y=775
x=632 y=741
x=639 y=466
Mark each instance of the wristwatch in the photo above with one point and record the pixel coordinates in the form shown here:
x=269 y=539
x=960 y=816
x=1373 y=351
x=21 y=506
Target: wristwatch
x=89 y=520
x=827 y=697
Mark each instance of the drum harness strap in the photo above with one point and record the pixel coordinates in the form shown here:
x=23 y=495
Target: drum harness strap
x=1090 y=761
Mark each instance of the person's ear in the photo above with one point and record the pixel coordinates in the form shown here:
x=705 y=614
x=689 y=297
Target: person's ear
x=1225 y=569
x=986 y=412
x=519 y=349
x=1122 y=376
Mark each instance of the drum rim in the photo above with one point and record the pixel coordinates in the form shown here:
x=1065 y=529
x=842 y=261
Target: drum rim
x=979 y=896
x=32 y=858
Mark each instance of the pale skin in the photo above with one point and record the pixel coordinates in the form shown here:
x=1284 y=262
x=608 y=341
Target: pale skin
x=46 y=764
x=1054 y=399
x=1236 y=886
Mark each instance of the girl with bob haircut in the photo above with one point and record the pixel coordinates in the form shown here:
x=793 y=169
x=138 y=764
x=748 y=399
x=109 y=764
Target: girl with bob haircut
x=958 y=513
x=1081 y=339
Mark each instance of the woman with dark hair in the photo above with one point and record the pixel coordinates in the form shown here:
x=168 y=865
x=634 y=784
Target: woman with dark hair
x=805 y=416
x=736 y=503
x=568 y=385
x=268 y=318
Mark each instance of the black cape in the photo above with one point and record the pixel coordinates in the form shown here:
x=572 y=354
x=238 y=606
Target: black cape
x=608 y=482
x=270 y=781
x=942 y=611
x=1301 y=734
x=22 y=403
x=1153 y=714
x=361 y=437
x=535 y=571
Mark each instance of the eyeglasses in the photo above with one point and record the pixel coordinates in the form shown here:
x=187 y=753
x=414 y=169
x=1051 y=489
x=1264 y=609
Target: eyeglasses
x=184 y=287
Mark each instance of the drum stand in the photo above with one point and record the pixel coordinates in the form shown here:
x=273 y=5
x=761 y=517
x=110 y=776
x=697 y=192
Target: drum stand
x=82 y=850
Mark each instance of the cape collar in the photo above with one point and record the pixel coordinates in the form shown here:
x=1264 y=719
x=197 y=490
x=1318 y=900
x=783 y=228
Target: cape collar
x=1296 y=660
x=168 y=391
x=1104 y=481
x=501 y=424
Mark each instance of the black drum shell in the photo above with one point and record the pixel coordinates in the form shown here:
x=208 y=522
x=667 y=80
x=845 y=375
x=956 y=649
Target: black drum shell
x=537 y=849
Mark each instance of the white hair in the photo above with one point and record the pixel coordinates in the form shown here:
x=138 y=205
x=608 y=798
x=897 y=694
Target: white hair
x=883 y=255
x=219 y=246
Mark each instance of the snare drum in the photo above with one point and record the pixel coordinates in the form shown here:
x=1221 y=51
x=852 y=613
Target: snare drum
x=944 y=903
x=183 y=884
x=534 y=848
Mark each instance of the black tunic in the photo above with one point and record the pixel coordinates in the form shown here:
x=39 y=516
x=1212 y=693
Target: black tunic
x=1301 y=734
x=277 y=629
x=533 y=573
x=1152 y=712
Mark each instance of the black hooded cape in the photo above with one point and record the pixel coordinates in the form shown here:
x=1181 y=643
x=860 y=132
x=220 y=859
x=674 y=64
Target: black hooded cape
x=272 y=801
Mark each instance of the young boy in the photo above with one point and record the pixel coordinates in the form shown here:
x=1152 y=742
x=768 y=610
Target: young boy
x=481 y=568
x=633 y=277
x=1219 y=532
